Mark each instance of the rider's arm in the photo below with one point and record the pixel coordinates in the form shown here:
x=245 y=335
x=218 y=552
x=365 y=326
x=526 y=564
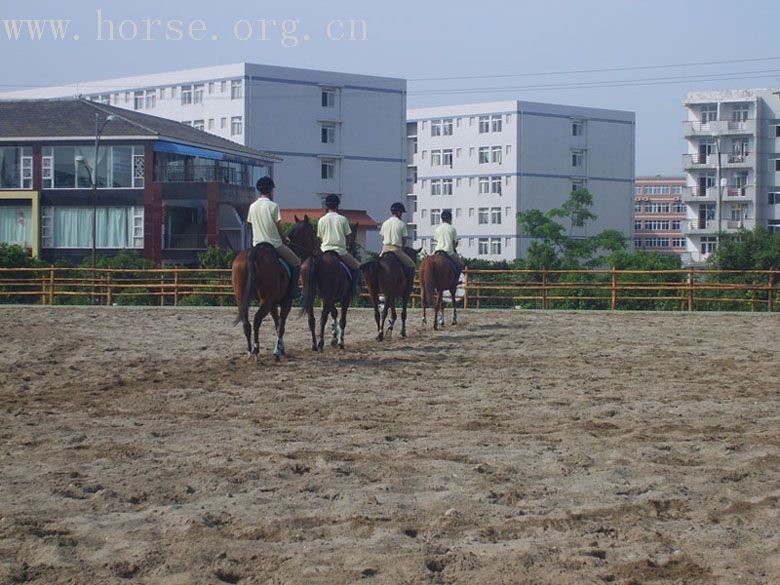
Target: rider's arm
x=280 y=227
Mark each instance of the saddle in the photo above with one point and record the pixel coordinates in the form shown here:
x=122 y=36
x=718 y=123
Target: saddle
x=282 y=261
x=346 y=268
x=455 y=268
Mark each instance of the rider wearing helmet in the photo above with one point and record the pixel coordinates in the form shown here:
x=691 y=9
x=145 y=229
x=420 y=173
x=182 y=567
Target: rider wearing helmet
x=333 y=229
x=447 y=239
x=393 y=233
x=266 y=221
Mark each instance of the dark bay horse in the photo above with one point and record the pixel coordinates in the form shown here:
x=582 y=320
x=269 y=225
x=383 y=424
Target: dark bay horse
x=258 y=275
x=325 y=276
x=388 y=276
x=437 y=274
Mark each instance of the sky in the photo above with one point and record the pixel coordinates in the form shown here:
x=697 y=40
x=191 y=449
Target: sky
x=639 y=56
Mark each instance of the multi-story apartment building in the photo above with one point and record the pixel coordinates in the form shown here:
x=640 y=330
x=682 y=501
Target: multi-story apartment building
x=488 y=161
x=336 y=132
x=732 y=165
x=164 y=189
x=659 y=213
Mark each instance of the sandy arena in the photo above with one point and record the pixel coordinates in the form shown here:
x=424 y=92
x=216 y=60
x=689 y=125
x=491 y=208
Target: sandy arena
x=140 y=446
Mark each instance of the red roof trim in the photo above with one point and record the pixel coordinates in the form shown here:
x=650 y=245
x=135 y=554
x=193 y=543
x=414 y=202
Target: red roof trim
x=354 y=216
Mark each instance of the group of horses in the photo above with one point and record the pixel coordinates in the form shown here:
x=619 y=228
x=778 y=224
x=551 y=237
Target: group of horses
x=258 y=275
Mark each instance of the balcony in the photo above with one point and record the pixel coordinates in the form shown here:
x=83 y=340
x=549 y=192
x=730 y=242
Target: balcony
x=694 y=227
x=735 y=161
x=698 y=195
x=692 y=128
x=746 y=193
x=697 y=161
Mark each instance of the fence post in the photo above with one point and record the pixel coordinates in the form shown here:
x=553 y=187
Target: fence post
x=479 y=292
x=545 y=300
x=614 y=289
x=466 y=288
x=162 y=289
x=753 y=301
x=770 y=307
x=175 y=287
x=51 y=284
x=43 y=289
x=109 y=290
x=690 y=289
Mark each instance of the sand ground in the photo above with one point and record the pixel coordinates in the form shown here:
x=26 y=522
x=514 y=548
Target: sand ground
x=140 y=446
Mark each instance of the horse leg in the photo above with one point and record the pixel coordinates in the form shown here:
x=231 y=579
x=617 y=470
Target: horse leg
x=375 y=302
x=393 y=317
x=262 y=311
x=334 y=328
x=279 y=350
x=323 y=319
x=248 y=334
x=275 y=317
x=440 y=307
x=423 y=298
x=385 y=310
x=343 y=323
x=453 y=292
x=404 y=305
x=312 y=328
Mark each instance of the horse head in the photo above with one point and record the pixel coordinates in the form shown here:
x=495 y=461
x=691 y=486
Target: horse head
x=302 y=238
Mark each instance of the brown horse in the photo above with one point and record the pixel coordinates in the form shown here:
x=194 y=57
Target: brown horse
x=437 y=274
x=325 y=276
x=257 y=274
x=388 y=275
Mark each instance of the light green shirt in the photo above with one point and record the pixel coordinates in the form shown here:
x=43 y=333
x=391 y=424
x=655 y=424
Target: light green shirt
x=445 y=236
x=264 y=215
x=333 y=229
x=393 y=232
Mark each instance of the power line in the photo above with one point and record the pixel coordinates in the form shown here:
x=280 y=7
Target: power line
x=602 y=70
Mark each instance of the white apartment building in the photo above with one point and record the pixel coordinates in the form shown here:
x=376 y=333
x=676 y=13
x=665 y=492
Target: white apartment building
x=486 y=162
x=336 y=132
x=732 y=166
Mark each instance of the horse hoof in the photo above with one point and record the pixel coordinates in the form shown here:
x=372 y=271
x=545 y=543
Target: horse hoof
x=341 y=346
x=278 y=358
x=380 y=337
x=314 y=347
x=334 y=342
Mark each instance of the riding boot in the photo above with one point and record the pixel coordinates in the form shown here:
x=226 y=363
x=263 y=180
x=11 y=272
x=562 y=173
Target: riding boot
x=295 y=289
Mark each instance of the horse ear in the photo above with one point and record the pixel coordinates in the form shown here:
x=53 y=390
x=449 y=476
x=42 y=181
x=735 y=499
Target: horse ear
x=296 y=219
x=418 y=250
x=306 y=218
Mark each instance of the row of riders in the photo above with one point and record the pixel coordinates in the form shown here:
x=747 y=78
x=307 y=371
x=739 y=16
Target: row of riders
x=269 y=272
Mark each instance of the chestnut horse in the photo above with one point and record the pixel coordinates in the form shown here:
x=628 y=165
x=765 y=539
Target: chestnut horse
x=388 y=275
x=324 y=275
x=437 y=274
x=257 y=274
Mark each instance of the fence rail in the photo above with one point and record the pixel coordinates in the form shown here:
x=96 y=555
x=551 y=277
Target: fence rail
x=680 y=290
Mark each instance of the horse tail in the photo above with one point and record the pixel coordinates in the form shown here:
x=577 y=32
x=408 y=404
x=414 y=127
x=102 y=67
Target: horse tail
x=310 y=286
x=249 y=289
x=427 y=283
x=370 y=271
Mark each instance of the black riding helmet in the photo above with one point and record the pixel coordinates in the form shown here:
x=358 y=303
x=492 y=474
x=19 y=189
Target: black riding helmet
x=265 y=185
x=332 y=201
x=397 y=207
x=446 y=215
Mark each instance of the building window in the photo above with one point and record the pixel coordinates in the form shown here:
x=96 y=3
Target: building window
x=773 y=198
x=211 y=87
x=186 y=94
x=327 y=169
x=236 y=126
x=678 y=243
x=678 y=208
x=436 y=158
x=676 y=224
x=114 y=169
x=471 y=212
x=508 y=149
x=495 y=154
x=328 y=98
x=435 y=127
x=774 y=226
x=71 y=227
x=777 y=164
x=436 y=185
x=484 y=185
x=236 y=89
x=484 y=246
x=457 y=212
x=446 y=157
x=495 y=215
x=138 y=100
x=199 y=124
x=446 y=127
x=151 y=99
x=637 y=242
x=709 y=113
x=435 y=216
x=578 y=128
x=495 y=246
x=16 y=167
x=637 y=224
x=708 y=244
x=328 y=134
x=577 y=158
x=484 y=216
x=211 y=124
x=197 y=94
x=222 y=123
x=446 y=187
x=495 y=185
x=484 y=124
x=484 y=155
x=637 y=208
x=496 y=123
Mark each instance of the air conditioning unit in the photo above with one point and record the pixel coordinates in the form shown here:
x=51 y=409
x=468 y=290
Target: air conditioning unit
x=645 y=198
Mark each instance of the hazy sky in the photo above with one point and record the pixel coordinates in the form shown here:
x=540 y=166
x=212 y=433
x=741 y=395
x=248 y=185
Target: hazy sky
x=433 y=39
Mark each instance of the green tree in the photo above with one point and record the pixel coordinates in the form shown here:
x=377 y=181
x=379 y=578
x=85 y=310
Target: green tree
x=758 y=249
